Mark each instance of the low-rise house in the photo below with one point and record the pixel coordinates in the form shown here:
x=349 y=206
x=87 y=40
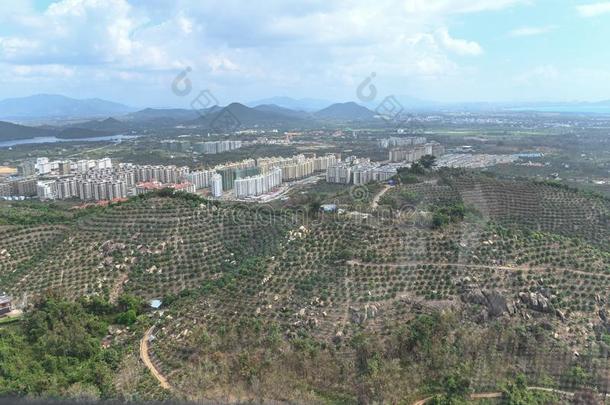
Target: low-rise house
x=5 y=304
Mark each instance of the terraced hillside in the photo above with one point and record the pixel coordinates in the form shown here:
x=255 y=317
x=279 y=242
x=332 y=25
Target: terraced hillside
x=336 y=278
x=267 y=297
x=150 y=247
x=545 y=207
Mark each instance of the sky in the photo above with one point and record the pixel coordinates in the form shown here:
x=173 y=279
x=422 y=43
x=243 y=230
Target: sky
x=133 y=51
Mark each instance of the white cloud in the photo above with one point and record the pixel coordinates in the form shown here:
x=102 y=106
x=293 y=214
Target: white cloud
x=531 y=31
x=242 y=44
x=221 y=63
x=13 y=47
x=29 y=71
x=459 y=46
x=459 y=6
x=538 y=74
x=593 y=9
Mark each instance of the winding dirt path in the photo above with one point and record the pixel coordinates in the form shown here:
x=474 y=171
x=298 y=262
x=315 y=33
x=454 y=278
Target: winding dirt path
x=148 y=363
x=497 y=394
x=474 y=266
x=375 y=201
x=117 y=287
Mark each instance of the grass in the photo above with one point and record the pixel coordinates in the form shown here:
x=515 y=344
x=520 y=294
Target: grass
x=9 y=319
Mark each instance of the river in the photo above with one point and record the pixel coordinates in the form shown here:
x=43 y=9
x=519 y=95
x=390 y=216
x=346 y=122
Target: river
x=54 y=139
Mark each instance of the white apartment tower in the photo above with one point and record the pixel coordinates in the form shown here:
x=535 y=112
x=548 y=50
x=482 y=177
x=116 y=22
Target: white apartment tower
x=216 y=185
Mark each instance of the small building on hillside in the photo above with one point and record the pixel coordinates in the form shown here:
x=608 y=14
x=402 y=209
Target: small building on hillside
x=5 y=304
x=328 y=207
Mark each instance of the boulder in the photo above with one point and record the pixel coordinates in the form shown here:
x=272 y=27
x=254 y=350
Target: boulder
x=475 y=296
x=371 y=311
x=355 y=316
x=495 y=303
x=536 y=301
x=359 y=316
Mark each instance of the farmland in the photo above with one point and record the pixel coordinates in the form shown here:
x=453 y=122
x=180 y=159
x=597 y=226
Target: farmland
x=257 y=294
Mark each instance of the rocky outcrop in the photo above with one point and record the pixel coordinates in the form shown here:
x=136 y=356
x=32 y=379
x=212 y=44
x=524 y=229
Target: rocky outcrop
x=494 y=303
x=537 y=302
x=109 y=247
x=603 y=315
x=359 y=316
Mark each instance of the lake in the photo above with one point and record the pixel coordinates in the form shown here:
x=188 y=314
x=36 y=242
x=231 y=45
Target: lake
x=54 y=139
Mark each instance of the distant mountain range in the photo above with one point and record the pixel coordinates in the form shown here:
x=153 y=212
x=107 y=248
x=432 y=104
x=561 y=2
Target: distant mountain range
x=229 y=118
x=46 y=108
x=349 y=111
x=162 y=115
x=56 y=106
x=271 y=115
x=301 y=104
x=118 y=118
x=10 y=132
x=237 y=115
x=264 y=115
x=276 y=109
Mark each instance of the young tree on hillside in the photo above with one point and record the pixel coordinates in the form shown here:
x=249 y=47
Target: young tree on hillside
x=427 y=161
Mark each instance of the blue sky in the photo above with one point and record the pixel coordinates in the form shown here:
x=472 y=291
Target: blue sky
x=445 y=50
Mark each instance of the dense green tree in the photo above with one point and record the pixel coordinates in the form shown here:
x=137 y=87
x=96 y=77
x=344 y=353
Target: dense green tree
x=56 y=351
x=427 y=161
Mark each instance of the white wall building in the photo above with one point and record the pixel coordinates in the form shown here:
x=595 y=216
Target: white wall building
x=46 y=190
x=201 y=178
x=339 y=173
x=260 y=184
x=363 y=174
x=216 y=186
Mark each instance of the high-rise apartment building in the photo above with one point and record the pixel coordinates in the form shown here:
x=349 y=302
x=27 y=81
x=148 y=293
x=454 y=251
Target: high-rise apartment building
x=260 y=184
x=414 y=153
x=27 y=168
x=339 y=173
x=46 y=190
x=216 y=185
x=200 y=178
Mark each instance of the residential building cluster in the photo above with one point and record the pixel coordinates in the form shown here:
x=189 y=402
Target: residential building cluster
x=259 y=184
x=270 y=172
x=164 y=174
x=297 y=167
x=366 y=173
x=214 y=147
x=393 y=142
x=18 y=188
x=361 y=172
x=339 y=173
x=207 y=147
x=230 y=171
x=148 y=186
x=90 y=180
x=413 y=153
x=42 y=166
x=201 y=178
x=474 y=160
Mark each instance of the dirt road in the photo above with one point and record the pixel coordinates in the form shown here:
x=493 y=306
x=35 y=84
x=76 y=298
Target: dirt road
x=148 y=363
x=375 y=202
x=486 y=395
